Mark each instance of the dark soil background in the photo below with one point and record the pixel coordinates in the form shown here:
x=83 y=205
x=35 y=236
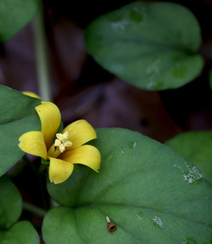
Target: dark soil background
x=82 y=89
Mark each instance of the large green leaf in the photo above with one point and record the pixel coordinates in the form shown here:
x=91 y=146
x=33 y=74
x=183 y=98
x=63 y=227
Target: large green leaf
x=195 y=146
x=17 y=116
x=10 y=203
x=20 y=233
x=150 y=192
x=10 y=211
x=150 y=45
x=14 y=15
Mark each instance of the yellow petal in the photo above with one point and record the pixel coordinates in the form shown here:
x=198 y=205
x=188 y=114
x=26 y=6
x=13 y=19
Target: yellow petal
x=87 y=155
x=32 y=142
x=50 y=121
x=59 y=170
x=31 y=94
x=80 y=132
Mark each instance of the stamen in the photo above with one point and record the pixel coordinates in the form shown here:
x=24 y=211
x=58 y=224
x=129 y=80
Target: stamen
x=57 y=143
x=61 y=141
x=62 y=148
x=67 y=144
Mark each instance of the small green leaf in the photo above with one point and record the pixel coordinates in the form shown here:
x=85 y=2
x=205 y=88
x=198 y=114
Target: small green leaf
x=150 y=192
x=150 y=45
x=43 y=161
x=20 y=233
x=17 y=116
x=14 y=15
x=195 y=146
x=10 y=203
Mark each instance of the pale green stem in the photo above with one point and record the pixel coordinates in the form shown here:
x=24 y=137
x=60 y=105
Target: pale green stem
x=41 y=56
x=34 y=209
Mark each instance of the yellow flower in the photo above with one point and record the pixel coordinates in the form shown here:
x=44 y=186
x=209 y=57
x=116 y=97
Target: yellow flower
x=67 y=149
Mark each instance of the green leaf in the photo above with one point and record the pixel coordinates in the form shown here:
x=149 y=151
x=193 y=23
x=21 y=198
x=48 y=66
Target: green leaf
x=43 y=161
x=17 y=116
x=150 y=192
x=10 y=203
x=149 y=45
x=195 y=146
x=14 y=15
x=20 y=233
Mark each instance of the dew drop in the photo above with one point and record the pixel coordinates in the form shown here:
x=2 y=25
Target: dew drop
x=157 y=222
x=131 y=144
x=189 y=240
x=117 y=26
x=139 y=215
x=191 y=174
x=123 y=150
x=154 y=67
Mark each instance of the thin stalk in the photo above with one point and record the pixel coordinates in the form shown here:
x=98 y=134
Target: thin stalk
x=34 y=209
x=41 y=56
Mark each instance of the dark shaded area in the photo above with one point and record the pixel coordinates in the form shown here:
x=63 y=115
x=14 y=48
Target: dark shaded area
x=82 y=89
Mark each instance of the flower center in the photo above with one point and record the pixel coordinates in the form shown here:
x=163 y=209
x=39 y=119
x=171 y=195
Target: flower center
x=62 y=141
x=59 y=145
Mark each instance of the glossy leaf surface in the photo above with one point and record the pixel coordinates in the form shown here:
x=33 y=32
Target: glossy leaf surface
x=149 y=45
x=196 y=147
x=151 y=193
x=14 y=15
x=17 y=116
x=21 y=233
x=10 y=203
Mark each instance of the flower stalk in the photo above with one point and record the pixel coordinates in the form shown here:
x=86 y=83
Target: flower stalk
x=34 y=209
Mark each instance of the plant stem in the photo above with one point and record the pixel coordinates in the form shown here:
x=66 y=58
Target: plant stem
x=34 y=209
x=41 y=56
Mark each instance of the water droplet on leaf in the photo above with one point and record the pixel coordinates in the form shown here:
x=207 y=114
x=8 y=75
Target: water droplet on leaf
x=192 y=174
x=123 y=150
x=189 y=240
x=139 y=215
x=131 y=144
x=157 y=222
